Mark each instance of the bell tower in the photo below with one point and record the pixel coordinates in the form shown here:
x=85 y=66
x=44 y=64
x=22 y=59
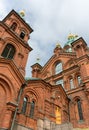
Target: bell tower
x=14 y=36
x=82 y=54
x=14 y=50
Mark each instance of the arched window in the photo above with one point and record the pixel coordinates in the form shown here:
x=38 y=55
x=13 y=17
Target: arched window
x=22 y=34
x=71 y=83
x=8 y=51
x=14 y=26
x=58 y=68
x=79 y=109
x=25 y=100
x=79 y=80
x=32 y=109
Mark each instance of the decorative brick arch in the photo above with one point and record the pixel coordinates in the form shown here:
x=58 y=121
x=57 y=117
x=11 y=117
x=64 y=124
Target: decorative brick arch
x=8 y=87
x=31 y=96
x=24 y=29
x=76 y=98
x=12 y=41
x=55 y=64
x=16 y=21
x=28 y=93
x=7 y=95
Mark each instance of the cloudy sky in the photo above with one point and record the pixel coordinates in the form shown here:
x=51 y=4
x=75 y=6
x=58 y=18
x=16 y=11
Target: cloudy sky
x=52 y=21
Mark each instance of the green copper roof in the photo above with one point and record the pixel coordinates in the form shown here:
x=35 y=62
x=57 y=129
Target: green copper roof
x=71 y=38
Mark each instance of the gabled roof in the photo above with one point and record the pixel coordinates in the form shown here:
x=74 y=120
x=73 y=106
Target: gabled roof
x=37 y=65
x=78 y=40
x=18 y=16
x=69 y=54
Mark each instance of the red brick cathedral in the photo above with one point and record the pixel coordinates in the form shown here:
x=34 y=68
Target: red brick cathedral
x=57 y=95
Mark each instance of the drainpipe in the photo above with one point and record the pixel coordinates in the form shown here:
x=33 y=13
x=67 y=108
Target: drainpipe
x=69 y=108
x=18 y=100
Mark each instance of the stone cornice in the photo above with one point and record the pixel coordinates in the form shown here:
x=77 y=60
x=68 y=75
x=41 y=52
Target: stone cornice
x=75 y=90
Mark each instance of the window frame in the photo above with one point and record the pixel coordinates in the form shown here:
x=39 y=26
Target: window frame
x=79 y=107
x=21 y=34
x=8 y=51
x=71 y=82
x=24 y=106
x=32 y=109
x=13 y=26
x=79 y=79
x=58 y=67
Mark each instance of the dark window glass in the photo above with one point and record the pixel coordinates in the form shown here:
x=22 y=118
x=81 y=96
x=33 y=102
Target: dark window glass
x=24 y=105
x=8 y=51
x=32 y=109
x=80 y=110
x=22 y=35
x=14 y=26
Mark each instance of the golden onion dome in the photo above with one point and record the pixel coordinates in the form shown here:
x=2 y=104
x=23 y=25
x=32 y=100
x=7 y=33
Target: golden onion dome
x=71 y=36
x=58 y=45
x=22 y=13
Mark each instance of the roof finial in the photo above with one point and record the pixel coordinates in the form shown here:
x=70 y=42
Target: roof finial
x=22 y=13
x=37 y=59
x=58 y=45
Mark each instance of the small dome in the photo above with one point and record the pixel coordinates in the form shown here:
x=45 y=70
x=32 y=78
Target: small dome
x=22 y=13
x=58 y=45
x=71 y=36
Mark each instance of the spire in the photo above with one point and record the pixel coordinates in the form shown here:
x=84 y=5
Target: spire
x=58 y=48
x=38 y=59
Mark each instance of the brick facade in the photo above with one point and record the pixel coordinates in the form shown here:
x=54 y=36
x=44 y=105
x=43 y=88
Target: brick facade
x=57 y=95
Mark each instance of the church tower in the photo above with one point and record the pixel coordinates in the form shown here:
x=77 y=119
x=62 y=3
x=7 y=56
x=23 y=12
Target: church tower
x=14 y=49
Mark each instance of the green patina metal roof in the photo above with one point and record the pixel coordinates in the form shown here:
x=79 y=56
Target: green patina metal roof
x=71 y=38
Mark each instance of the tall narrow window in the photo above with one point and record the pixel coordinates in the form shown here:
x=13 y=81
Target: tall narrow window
x=32 y=109
x=22 y=34
x=79 y=80
x=13 y=26
x=58 y=68
x=80 y=110
x=71 y=83
x=8 y=51
x=25 y=100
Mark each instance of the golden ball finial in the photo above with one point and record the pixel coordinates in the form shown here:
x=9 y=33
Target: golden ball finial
x=70 y=35
x=22 y=13
x=58 y=44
